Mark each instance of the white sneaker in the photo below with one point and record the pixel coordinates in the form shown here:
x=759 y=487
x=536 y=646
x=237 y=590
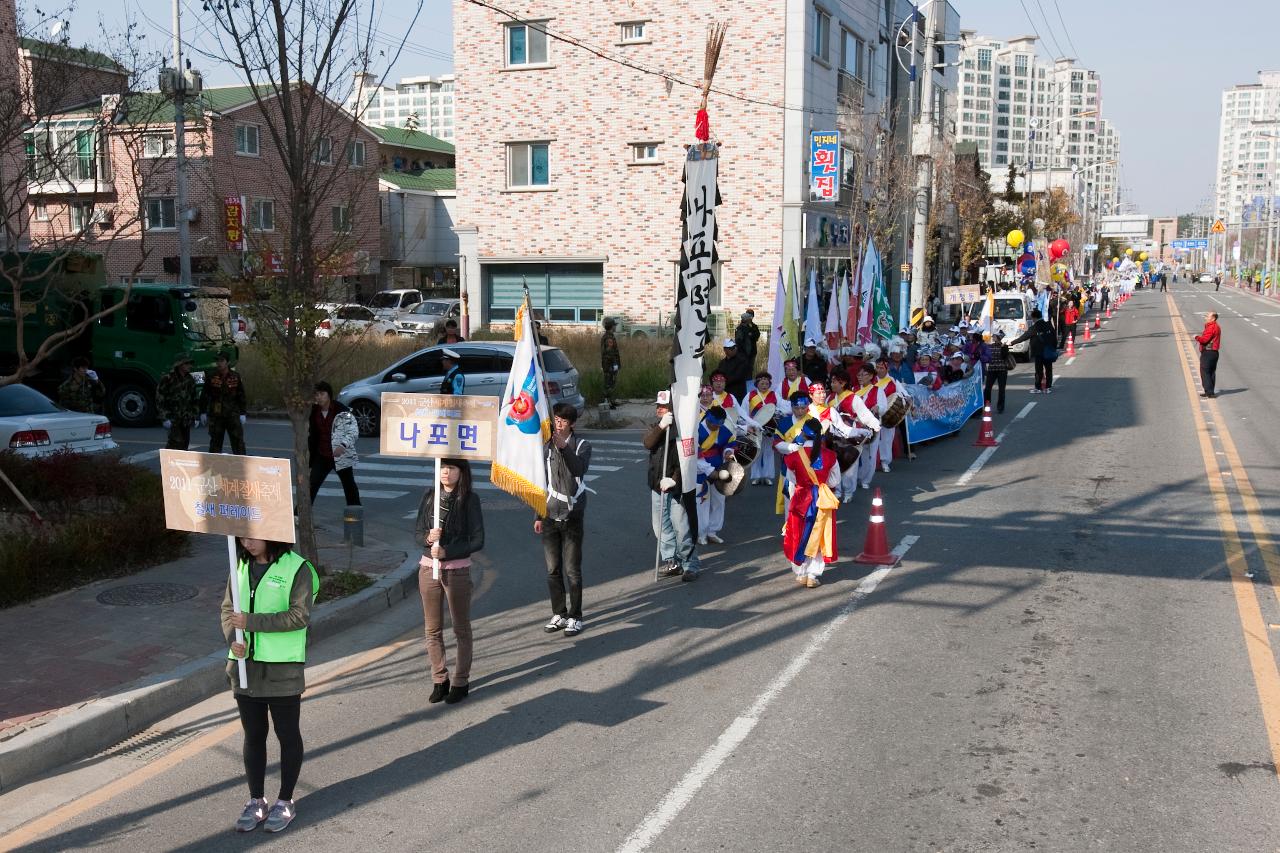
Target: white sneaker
x=847 y=498
x=1048 y=390
x=768 y=482
x=1036 y=391
x=573 y=627
x=557 y=623
x=885 y=467
x=714 y=538
x=702 y=540
x=866 y=485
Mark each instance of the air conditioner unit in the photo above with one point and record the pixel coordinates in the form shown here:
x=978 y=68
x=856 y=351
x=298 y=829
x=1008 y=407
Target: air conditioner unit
x=103 y=217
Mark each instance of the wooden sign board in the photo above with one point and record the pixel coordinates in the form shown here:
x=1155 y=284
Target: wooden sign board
x=249 y=496
x=962 y=294
x=427 y=426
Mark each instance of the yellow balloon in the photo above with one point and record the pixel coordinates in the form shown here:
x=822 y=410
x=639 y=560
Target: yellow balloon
x=1115 y=260
x=1015 y=238
x=1142 y=257
x=1128 y=251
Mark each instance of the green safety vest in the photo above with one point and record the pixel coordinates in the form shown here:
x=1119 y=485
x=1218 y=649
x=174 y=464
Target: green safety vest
x=272 y=596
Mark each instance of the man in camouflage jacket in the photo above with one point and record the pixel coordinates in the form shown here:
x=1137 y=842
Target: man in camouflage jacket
x=223 y=406
x=82 y=391
x=178 y=402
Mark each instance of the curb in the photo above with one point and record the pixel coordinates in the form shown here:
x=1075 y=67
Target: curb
x=104 y=722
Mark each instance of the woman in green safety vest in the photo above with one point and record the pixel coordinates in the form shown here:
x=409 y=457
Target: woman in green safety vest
x=276 y=589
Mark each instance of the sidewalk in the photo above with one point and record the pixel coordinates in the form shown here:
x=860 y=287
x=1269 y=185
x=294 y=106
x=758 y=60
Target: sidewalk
x=153 y=636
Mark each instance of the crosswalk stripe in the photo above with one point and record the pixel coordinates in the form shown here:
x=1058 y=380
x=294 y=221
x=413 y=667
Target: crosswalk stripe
x=611 y=442
x=374 y=494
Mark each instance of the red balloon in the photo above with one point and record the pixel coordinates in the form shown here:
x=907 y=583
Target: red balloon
x=1058 y=248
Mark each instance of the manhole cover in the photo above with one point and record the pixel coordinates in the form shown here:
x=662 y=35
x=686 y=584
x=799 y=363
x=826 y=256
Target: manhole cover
x=139 y=594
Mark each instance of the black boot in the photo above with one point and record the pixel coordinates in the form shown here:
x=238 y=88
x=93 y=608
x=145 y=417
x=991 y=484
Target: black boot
x=456 y=695
x=439 y=691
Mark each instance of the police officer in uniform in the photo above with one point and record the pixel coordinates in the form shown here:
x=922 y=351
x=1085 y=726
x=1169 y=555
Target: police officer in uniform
x=454 y=382
x=223 y=405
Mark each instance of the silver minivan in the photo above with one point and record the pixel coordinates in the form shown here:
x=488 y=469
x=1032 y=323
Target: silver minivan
x=485 y=364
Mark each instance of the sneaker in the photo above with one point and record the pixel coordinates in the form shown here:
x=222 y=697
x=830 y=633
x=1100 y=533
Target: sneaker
x=670 y=570
x=866 y=485
x=557 y=623
x=702 y=540
x=1048 y=390
x=255 y=812
x=768 y=481
x=439 y=690
x=847 y=498
x=1036 y=391
x=282 y=814
x=572 y=627
x=885 y=467
x=714 y=538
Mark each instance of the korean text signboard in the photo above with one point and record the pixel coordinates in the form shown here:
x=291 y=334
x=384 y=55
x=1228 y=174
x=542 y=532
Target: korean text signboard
x=250 y=496
x=963 y=294
x=824 y=165
x=439 y=425
x=233 y=219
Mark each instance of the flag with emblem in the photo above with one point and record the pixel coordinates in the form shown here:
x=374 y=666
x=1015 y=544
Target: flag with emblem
x=524 y=421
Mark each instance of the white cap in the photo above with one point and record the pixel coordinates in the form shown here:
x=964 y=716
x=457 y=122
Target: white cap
x=448 y=353
x=810 y=342
x=928 y=318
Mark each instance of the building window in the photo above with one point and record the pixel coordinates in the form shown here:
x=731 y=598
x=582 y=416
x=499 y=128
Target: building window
x=528 y=164
x=324 y=150
x=341 y=219
x=160 y=214
x=81 y=214
x=634 y=31
x=41 y=211
x=157 y=145
x=526 y=45
x=355 y=153
x=984 y=60
x=262 y=214
x=644 y=152
x=247 y=139
x=821 y=34
x=851 y=54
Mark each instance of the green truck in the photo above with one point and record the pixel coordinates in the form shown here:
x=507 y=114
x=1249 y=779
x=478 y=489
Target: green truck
x=130 y=348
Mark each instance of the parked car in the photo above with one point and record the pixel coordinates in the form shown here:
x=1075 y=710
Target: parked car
x=243 y=328
x=485 y=364
x=392 y=304
x=1013 y=317
x=351 y=319
x=427 y=317
x=33 y=425
x=1206 y=278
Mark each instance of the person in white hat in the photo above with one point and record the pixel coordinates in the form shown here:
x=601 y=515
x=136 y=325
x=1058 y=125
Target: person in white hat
x=928 y=335
x=736 y=369
x=454 y=382
x=671 y=509
x=813 y=364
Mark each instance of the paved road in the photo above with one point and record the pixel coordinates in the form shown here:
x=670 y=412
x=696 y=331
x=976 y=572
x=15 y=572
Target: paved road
x=1069 y=657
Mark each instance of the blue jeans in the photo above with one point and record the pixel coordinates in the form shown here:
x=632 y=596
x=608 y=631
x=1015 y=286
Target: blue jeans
x=671 y=527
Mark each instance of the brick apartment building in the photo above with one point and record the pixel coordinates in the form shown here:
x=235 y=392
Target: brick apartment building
x=570 y=165
x=102 y=173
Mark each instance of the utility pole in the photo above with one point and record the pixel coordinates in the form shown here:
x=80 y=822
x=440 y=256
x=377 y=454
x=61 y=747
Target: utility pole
x=180 y=151
x=922 y=151
x=912 y=74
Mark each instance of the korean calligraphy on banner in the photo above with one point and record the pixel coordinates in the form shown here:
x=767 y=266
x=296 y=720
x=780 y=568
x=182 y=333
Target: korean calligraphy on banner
x=233 y=213
x=438 y=425
x=250 y=496
x=824 y=165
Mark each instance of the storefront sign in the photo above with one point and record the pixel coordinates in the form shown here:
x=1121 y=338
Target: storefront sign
x=437 y=425
x=232 y=219
x=250 y=496
x=824 y=165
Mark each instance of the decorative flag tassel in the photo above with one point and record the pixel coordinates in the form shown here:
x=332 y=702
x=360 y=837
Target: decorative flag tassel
x=715 y=42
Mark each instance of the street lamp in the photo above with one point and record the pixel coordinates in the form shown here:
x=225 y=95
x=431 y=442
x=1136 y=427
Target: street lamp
x=1267 y=263
x=1076 y=172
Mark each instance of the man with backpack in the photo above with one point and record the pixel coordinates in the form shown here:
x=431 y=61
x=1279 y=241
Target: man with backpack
x=568 y=458
x=1042 y=341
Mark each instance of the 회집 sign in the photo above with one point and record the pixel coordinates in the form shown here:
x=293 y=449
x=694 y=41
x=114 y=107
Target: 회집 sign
x=824 y=165
x=250 y=496
x=438 y=425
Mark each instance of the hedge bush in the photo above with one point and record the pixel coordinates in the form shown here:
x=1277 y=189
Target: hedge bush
x=102 y=518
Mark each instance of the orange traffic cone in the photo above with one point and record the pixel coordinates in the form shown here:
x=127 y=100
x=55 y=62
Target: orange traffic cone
x=1097 y=321
x=875 y=550
x=1108 y=312
x=987 y=435
x=1071 y=345
x=1088 y=336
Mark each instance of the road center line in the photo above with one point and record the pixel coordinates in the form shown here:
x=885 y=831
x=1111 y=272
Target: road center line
x=732 y=737
x=142 y=457
x=1262 y=659
x=973 y=469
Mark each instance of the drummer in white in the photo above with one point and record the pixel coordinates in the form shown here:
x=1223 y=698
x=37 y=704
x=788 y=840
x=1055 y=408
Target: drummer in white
x=762 y=407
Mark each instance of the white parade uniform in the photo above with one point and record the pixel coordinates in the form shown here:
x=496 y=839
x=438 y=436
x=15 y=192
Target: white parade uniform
x=765 y=464
x=866 y=424
x=884 y=440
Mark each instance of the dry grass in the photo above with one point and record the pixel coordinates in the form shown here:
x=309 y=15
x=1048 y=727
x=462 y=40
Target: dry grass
x=359 y=359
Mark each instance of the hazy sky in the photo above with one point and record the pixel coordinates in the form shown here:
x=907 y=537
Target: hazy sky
x=1164 y=64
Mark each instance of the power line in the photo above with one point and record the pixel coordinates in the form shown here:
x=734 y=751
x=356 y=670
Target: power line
x=1066 y=32
x=1049 y=29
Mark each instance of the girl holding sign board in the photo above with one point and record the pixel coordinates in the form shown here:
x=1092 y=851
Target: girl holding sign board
x=275 y=588
x=449 y=536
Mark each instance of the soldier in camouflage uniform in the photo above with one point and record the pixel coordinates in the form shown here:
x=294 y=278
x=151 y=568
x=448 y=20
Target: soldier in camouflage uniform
x=223 y=406
x=82 y=391
x=178 y=402
x=610 y=361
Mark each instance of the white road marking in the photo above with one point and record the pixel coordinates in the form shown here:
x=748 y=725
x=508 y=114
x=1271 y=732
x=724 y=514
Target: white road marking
x=364 y=493
x=633 y=444
x=142 y=457
x=1073 y=358
x=988 y=452
x=732 y=737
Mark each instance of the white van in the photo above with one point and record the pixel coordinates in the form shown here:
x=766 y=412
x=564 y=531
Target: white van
x=1012 y=316
x=393 y=304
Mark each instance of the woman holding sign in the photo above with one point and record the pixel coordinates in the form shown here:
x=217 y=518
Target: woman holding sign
x=444 y=574
x=276 y=588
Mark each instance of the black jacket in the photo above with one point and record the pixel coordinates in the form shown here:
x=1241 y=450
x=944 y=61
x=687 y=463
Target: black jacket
x=653 y=443
x=737 y=370
x=747 y=336
x=577 y=458
x=463 y=530
x=1041 y=332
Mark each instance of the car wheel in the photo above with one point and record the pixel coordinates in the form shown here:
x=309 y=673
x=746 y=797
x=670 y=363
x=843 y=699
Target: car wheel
x=389 y=333
x=130 y=405
x=639 y=336
x=367 y=417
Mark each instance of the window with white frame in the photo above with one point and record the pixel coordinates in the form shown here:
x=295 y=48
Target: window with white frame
x=528 y=164
x=355 y=153
x=157 y=145
x=40 y=210
x=247 y=140
x=324 y=150
x=526 y=44
x=262 y=214
x=634 y=31
x=81 y=214
x=821 y=33
x=851 y=54
x=644 y=152
x=160 y=214
x=341 y=219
